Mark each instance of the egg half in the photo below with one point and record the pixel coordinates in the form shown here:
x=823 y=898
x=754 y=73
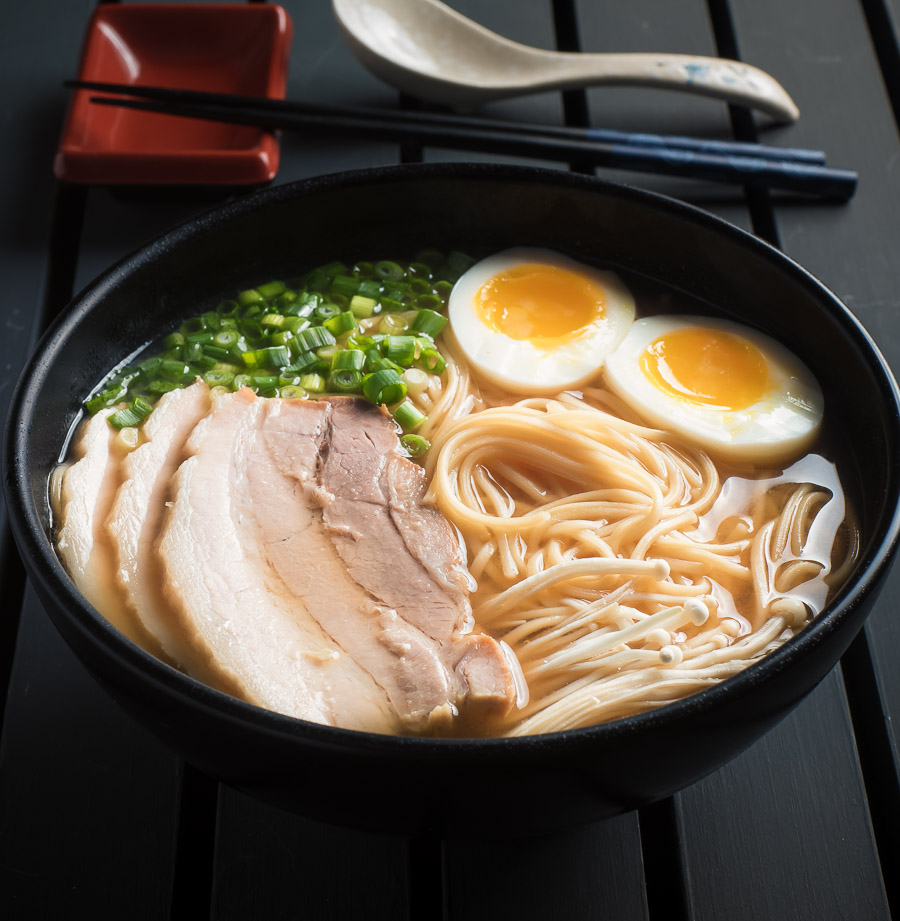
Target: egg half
x=534 y=321
x=730 y=389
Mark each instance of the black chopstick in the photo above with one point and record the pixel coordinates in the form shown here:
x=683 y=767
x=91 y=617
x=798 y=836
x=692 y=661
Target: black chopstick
x=415 y=118
x=838 y=184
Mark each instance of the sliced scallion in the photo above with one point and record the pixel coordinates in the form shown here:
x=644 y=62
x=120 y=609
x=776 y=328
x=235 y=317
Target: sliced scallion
x=133 y=414
x=415 y=445
x=408 y=416
x=348 y=359
x=429 y=322
x=384 y=387
x=346 y=380
x=340 y=324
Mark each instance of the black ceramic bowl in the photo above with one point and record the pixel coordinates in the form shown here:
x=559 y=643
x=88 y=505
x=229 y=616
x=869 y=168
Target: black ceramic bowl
x=414 y=785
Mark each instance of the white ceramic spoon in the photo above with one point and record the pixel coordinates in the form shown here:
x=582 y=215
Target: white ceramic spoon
x=428 y=50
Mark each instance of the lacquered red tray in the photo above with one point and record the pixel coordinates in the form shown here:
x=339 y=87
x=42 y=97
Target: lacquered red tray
x=222 y=47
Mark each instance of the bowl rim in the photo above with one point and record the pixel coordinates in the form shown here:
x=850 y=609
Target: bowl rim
x=40 y=558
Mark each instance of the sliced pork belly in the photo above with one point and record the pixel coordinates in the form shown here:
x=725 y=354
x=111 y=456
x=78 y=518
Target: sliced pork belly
x=216 y=582
x=402 y=552
x=137 y=512
x=258 y=558
x=86 y=492
x=283 y=461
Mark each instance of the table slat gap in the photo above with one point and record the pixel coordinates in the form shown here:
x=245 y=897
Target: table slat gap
x=873 y=745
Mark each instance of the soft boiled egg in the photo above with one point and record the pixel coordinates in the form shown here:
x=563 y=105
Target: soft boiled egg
x=732 y=390
x=533 y=321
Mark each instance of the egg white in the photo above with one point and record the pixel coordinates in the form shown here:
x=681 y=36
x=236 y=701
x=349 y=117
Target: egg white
x=523 y=366
x=777 y=428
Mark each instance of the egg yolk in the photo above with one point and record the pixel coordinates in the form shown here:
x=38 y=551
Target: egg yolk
x=706 y=366
x=543 y=304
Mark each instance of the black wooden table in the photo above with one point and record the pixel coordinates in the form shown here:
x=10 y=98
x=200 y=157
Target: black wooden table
x=98 y=820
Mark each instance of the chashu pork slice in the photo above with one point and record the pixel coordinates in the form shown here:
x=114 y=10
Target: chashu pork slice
x=404 y=553
x=85 y=493
x=263 y=645
x=283 y=499
x=137 y=512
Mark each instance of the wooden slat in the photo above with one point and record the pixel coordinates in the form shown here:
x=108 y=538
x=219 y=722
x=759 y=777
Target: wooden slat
x=86 y=803
x=783 y=831
x=74 y=766
x=853 y=248
x=787 y=825
x=590 y=872
x=272 y=866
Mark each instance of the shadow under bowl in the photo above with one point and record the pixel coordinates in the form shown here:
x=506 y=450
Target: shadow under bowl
x=417 y=785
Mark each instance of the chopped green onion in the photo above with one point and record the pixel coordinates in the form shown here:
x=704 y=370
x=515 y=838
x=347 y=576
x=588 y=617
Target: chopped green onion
x=419 y=270
x=348 y=359
x=363 y=268
x=314 y=338
x=293 y=392
x=228 y=308
x=327 y=311
x=443 y=288
x=327 y=353
x=249 y=297
x=295 y=324
x=264 y=381
x=429 y=322
x=175 y=370
x=241 y=380
x=390 y=305
x=158 y=388
x=215 y=352
x=401 y=349
x=389 y=271
x=384 y=364
x=340 y=324
x=429 y=302
x=346 y=380
x=284 y=300
x=384 y=387
x=362 y=307
x=273 y=319
x=314 y=382
x=282 y=337
x=133 y=414
x=391 y=325
x=218 y=378
x=369 y=288
x=416 y=381
x=415 y=445
x=270 y=289
x=172 y=341
x=273 y=357
x=302 y=362
x=334 y=268
x=345 y=284
x=408 y=415
x=432 y=360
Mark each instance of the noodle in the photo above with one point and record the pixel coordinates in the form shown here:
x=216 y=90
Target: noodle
x=618 y=561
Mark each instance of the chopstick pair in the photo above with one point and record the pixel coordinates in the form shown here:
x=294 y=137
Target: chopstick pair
x=734 y=162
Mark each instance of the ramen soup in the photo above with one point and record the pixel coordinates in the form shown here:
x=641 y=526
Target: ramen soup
x=506 y=497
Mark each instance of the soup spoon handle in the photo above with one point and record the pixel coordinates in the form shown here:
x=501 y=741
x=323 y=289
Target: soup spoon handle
x=719 y=78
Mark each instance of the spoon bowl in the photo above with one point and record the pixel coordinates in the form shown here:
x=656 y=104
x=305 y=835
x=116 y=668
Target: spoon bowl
x=426 y=49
